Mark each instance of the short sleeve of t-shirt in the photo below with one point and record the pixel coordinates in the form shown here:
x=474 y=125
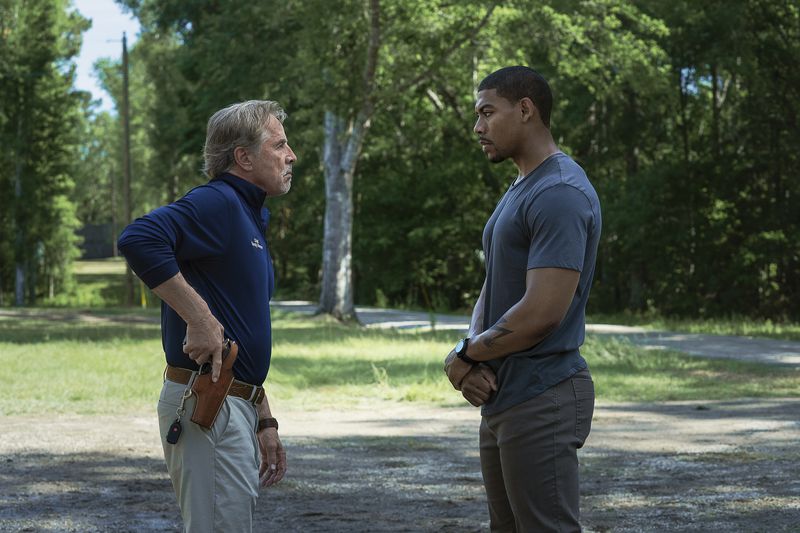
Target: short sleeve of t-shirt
x=560 y=219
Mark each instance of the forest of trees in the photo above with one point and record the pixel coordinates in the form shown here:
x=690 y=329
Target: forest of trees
x=684 y=115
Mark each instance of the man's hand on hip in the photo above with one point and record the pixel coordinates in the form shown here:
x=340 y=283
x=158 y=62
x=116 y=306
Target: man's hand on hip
x=203 y=341
x=478 y=385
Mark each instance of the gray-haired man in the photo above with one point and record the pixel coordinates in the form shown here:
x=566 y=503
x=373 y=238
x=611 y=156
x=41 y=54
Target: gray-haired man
x=206 y=257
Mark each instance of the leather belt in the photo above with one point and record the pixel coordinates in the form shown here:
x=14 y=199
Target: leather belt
x=240 y=389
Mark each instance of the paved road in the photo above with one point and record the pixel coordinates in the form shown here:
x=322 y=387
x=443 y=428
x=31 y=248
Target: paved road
x=722 y=346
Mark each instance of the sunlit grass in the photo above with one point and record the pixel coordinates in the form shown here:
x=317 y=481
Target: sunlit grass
x=100 y=283
x=110 y=266
x=62 y=361
x=743 y=326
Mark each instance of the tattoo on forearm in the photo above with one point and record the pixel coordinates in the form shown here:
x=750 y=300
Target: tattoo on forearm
x=500 y=333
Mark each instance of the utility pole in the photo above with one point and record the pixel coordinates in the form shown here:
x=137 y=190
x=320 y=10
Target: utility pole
x=126 y=162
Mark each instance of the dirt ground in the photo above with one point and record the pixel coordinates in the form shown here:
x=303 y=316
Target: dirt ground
x=685 y=466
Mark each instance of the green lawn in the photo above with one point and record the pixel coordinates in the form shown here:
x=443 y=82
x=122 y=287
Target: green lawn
x=66 y=361
x=744 y=326
x=101 y=283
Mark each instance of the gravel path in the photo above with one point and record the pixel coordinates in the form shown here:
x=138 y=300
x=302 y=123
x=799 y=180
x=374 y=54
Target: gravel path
x=672 y=467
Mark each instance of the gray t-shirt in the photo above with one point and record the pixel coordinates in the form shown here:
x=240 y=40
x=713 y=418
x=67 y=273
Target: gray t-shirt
x=549 y=219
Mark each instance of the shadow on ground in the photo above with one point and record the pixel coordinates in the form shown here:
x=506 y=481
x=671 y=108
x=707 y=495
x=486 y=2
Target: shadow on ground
x=339 y=484
x=729 y=466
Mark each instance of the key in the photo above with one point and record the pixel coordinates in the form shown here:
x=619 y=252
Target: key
x=174 y=432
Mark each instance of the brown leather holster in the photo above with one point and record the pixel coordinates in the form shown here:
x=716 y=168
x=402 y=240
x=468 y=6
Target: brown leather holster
x=210 y=395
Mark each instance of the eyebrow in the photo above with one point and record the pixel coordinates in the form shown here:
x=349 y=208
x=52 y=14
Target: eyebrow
x=482 y=108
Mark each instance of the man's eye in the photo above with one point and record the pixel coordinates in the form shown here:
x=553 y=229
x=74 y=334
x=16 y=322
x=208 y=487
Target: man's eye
x=486 y=113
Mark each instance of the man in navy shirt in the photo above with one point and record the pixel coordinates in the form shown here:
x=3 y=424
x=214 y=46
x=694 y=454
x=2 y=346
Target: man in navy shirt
x=206 y=257
x=521 y=360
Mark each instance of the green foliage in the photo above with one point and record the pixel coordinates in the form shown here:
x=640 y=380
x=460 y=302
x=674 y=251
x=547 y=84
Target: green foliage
x=664 y=104
x=40 y=120
x=683 y=114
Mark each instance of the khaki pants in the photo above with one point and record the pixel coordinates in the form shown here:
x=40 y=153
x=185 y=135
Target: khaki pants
x=529 y=459
x=214 y=472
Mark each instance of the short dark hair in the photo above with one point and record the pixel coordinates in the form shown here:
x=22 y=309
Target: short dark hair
x=516 y=83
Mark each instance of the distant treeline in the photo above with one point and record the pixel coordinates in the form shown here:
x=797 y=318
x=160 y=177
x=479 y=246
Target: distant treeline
x=684 y=115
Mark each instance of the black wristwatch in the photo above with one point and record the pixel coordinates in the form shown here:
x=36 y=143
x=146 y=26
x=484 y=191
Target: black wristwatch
x=461 y=351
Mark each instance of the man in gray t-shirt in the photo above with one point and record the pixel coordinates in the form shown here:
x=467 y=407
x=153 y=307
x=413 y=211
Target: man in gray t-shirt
x=521 y=361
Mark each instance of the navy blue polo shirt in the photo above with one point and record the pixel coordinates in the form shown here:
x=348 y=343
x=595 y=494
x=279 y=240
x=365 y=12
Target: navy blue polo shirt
x=215 y=237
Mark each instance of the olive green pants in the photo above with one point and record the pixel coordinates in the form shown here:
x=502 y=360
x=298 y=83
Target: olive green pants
x=529 y=459
x=214 y=472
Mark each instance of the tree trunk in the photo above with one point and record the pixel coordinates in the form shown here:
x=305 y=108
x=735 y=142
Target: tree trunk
x=19 y=281
x=715 y=105
x=341 y=152
x=336 y=297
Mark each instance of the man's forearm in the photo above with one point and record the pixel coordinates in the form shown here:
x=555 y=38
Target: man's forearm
x=181 y=297
x=548 y=295
x=516 y=330
x=263 y=408
x=204 y=333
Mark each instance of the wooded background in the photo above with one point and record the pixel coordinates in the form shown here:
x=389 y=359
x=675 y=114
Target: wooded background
x=684 y=115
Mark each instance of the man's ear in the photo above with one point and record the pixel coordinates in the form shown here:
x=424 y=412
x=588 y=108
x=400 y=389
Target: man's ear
x=242 y=158
x=528 y=109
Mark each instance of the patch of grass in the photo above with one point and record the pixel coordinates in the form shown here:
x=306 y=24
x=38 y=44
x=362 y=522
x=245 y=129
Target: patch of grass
x=69 y=361
x=101 y=283
x=742 y=326
x=623 y=371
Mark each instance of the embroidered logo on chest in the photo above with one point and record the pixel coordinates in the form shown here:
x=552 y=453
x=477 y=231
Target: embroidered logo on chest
x=256 y=244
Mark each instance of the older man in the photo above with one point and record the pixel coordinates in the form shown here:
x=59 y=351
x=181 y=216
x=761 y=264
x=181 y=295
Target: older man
x=207 y=258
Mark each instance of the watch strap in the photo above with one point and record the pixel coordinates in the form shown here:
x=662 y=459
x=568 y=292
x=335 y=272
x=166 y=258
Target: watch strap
x=467 y=359
x=264 y=423
x=462 y=354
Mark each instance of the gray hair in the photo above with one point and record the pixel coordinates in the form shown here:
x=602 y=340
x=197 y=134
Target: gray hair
x=239 y=125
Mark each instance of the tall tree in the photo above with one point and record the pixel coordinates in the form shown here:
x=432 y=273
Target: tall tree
x=435 y=32
x=39 y=125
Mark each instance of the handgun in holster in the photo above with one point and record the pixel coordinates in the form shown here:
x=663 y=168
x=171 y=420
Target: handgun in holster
x=211 y=395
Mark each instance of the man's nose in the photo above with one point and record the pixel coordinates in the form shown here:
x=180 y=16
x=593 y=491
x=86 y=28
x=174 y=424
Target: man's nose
x=292 y=157
x=478 y=128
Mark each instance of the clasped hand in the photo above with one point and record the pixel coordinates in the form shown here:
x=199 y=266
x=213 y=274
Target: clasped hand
x=476 y=382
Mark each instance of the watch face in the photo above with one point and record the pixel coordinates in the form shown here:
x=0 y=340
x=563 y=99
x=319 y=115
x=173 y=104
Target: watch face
x=460 y=346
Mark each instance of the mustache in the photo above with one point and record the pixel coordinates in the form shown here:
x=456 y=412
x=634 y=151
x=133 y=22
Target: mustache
x=287 y=171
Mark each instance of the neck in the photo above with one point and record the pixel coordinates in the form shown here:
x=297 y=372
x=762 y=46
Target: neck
x=537 y=148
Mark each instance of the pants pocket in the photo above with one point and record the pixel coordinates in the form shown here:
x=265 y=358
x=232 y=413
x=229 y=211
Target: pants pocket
x=584 y=407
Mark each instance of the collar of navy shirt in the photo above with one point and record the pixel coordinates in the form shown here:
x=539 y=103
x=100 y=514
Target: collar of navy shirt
x=252 y=194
